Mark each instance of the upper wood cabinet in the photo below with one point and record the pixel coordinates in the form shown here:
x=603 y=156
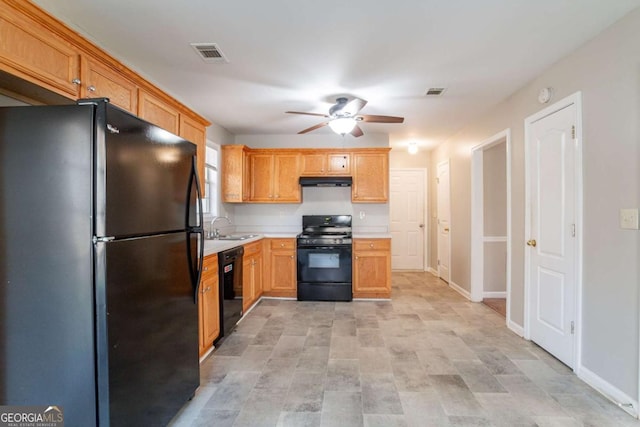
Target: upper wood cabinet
x=370 y=177
x=272 y=175
x=274 y=178
x=100 y=81
x=234 y=174
x=30 y=51
x=323 y=163
x=195 y=132
x=158 y=112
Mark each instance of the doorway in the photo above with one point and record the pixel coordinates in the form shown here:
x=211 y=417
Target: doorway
x=553 y=228
x=407 y=207
x=491 y=223
x=444 y=221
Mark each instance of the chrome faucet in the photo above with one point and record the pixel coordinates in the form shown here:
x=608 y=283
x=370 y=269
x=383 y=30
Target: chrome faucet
x=214 y=233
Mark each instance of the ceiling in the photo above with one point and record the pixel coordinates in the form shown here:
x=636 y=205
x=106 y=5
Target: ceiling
x=297 y=55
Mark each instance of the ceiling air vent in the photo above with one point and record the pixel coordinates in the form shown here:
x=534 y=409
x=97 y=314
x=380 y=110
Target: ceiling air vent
x=210 y=52
x=435 y=91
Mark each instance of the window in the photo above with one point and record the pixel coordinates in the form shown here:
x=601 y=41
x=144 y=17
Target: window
x=210 y=201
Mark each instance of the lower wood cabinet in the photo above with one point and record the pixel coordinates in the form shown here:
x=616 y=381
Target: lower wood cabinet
x=251 y=274
x=209 y=304
x=372 y=268
x=281 y=279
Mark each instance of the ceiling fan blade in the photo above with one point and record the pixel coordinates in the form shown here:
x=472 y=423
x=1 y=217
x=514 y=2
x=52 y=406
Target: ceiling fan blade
x=318 y=126
x=353 y=106
x=381 y=119
x=357 y=131
x=306 y=114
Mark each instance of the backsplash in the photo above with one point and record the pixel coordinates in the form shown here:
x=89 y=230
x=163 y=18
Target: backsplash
x=287 y=218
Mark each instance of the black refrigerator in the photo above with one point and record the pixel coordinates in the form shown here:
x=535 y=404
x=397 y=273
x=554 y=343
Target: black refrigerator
x=100 y=261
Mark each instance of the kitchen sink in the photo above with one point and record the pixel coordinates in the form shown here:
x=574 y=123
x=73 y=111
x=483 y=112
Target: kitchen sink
x=237 y=237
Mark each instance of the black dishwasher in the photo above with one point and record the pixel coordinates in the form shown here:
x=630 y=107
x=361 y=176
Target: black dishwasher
x=230 y=272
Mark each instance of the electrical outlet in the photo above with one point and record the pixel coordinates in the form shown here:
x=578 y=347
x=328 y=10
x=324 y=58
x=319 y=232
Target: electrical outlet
x=629 y=219
x=362 y=215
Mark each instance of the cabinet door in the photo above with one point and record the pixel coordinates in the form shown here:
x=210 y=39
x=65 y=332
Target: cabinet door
x=33 y=53
x=286 y=184
x=158 y=112
x=100 y=81
x=248 y=275
x=372 y=274
x=257 y=277
x=339 y=164
x=196 y=133
x=313 y=164
x=261 y=176
x=283 y=271
x=210 y=310
x=370 y=178
x=234 y=176
x=209 y=304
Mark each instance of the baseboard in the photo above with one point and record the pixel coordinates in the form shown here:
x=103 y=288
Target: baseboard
x=206 y=354
x=460 y=290
x=609 y=391
x=432 y=271
x=502 y=294
x=515 y=328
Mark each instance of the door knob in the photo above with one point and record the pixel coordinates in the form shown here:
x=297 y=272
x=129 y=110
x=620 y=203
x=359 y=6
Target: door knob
x=532 y=243
x=446 y=229
x=421 y=225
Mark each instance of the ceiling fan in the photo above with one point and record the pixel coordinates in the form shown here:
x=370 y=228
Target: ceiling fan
x=343 y=117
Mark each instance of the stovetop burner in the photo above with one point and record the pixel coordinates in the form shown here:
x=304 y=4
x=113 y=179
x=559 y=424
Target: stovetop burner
x=325 y=230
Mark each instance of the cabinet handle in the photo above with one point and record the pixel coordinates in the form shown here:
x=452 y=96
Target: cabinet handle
x=282 y=245
x=76 y=81
x=371 y=245
x=206 y=269
x=291 y=257
x=91 y=88
x=356 y=257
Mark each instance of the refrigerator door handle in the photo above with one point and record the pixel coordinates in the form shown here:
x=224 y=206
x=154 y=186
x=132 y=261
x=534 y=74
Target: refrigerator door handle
x=198 y=229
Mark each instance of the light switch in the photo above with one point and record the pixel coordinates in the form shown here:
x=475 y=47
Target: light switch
x=629 y=219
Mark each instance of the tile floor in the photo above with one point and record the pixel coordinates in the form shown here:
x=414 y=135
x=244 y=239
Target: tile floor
x=426 y=358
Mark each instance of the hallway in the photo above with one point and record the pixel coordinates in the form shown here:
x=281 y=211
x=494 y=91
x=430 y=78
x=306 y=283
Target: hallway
x=426 y=358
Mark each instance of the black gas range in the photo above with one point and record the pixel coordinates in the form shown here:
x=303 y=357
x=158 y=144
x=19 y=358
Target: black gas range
x=324 y=251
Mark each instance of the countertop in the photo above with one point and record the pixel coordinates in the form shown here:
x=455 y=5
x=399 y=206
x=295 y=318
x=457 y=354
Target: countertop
x=215 y=246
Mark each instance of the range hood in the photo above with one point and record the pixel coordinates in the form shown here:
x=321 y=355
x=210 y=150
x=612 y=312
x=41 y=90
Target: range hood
x=325 y=181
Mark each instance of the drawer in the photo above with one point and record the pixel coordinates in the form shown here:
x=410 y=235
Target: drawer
x=252 y=248
x=372 y=244
x=283 y=244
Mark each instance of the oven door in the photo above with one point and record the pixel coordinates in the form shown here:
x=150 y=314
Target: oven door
x=325 y=264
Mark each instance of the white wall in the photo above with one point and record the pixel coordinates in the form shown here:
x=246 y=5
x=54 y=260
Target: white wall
x=287 y=218
x=607 y=71
x=317 y=140
x=6 y=101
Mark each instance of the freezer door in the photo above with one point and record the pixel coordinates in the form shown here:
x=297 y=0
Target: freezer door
x=149 y=344
x=144 y=178
x=46 y=269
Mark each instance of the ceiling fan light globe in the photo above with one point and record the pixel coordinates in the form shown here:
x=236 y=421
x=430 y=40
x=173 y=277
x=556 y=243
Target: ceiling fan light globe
x=342 y=125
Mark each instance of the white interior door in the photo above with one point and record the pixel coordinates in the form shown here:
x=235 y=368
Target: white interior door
x=444 y=221
x=407 y=195
x=552 y=249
